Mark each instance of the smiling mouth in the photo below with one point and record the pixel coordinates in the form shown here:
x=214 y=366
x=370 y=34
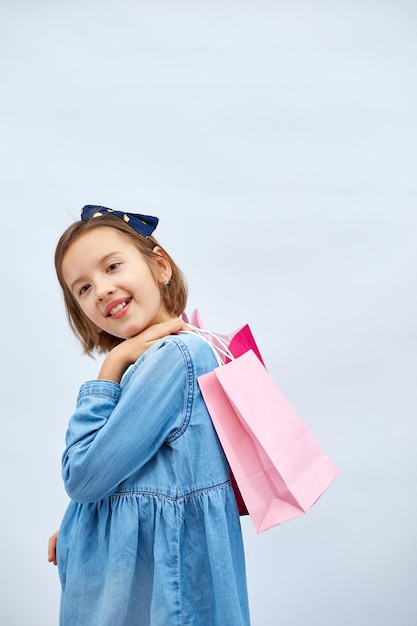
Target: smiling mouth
x=118 y=308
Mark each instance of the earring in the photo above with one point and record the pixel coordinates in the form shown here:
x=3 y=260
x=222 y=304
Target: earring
x=166 y=281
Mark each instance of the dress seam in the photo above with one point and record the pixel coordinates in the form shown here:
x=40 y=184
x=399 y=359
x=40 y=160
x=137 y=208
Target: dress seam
x=188 y=361
x=179 y=565
x=155 y=494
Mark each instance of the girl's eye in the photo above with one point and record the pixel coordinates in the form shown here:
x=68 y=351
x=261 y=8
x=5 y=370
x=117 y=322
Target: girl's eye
x=113 y=266
x=83 y=289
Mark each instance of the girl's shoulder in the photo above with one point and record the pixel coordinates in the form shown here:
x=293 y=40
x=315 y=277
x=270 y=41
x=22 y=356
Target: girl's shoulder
x=194 y=346
x=186 y=350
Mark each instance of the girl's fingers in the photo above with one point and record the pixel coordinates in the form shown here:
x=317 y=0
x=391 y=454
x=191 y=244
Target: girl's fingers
x=52 y=548
x=165 y=328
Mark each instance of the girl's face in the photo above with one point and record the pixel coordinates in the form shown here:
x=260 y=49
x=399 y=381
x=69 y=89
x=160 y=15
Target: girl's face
x=113 y=283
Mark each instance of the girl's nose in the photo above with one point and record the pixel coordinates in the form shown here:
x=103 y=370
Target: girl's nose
x=103 y=290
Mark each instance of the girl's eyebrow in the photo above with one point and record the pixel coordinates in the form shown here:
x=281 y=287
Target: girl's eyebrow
x=104 y=259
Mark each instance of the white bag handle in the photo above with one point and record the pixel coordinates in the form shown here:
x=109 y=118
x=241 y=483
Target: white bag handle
x=219 y=353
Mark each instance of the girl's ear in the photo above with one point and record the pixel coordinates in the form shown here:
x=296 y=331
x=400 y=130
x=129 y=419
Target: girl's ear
x=162 y=264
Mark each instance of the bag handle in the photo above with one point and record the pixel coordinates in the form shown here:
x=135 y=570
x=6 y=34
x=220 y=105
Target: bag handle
x=219 y=352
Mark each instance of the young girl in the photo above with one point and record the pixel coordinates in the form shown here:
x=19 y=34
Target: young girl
x=152 y=533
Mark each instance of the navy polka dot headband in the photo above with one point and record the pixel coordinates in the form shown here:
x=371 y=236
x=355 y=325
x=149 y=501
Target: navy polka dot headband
x=143 y=224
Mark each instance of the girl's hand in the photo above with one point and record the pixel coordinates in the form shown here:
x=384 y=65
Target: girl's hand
x=120 y=357
x=52 y=548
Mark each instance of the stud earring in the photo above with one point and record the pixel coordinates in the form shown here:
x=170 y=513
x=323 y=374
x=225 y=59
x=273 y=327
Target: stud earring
x=166 y=281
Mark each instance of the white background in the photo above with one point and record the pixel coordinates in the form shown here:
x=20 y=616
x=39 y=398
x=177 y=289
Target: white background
x=277 y=142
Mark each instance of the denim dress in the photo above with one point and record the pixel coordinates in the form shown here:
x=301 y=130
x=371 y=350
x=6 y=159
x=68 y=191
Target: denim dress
x=152 y=534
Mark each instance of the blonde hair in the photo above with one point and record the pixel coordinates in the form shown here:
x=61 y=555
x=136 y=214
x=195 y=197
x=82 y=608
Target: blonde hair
x=174 y=295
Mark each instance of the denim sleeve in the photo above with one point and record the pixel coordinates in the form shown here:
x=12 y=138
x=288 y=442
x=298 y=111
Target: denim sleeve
x=115 y=431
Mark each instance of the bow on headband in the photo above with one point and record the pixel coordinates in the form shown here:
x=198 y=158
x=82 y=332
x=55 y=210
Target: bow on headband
x=143 y=224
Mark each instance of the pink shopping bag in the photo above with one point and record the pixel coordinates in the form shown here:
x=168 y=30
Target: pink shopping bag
x=241 y=341
x=279 y=467
x=238 y=342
